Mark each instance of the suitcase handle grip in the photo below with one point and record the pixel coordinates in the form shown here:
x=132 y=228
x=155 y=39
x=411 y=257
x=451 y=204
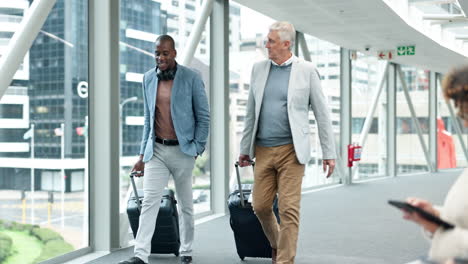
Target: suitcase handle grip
x=241 y=192
x=135 y=191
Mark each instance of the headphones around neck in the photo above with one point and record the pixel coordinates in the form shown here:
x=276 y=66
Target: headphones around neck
x=166 y=75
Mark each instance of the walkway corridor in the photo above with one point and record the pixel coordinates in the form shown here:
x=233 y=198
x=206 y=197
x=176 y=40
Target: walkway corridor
x=343 y=225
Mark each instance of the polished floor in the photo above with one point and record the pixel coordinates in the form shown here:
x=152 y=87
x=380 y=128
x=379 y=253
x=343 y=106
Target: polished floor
x=344 y=225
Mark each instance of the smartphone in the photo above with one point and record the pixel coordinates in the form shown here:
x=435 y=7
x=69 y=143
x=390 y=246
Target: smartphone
x=424 y=214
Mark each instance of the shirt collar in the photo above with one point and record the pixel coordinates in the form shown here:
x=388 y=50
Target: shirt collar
x=286 y=63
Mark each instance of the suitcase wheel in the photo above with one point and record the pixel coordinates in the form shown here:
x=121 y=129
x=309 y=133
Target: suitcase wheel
x=242 y=257
x=176 y=254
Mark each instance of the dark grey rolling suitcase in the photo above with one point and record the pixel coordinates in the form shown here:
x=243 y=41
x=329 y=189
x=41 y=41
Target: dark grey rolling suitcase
x=248 y=233
x=166 y=238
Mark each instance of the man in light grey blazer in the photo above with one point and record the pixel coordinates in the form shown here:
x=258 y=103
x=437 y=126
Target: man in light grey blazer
x=276 y=133
x=175 y=132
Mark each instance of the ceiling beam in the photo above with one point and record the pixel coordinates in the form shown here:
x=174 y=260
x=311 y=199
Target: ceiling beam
x=443 y=52
x=431 y=2
x=461 y=37
x=457 y=24
x=444 y=17
x=439 y=22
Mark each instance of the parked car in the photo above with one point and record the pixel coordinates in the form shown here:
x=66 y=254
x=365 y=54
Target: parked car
x=199 y=196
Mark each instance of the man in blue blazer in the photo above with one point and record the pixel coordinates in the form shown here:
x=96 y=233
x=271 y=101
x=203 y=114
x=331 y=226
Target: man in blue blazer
x=175 y=132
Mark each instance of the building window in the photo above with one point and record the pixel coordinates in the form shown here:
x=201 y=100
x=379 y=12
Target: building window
x=234 y=86
x=11 y=111
x=241 y=102
x=173 y=17
x=190 y=7
x=358 y=124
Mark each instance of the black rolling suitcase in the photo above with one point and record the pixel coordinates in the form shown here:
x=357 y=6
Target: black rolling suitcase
x=166 y=238
x=248 y=233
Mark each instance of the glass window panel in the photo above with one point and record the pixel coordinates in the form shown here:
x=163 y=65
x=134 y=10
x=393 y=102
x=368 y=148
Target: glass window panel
x=366 y=71
x=410 y=154
x=43 y=171
x=248 y=30
x=140 y=25
x=327 y=55
x=450 y=152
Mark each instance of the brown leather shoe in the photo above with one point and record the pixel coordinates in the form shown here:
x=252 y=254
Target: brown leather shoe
x=273 y=256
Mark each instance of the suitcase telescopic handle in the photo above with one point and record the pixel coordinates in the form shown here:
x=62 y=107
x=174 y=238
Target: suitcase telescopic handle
x=135 y=191
x=241 y=192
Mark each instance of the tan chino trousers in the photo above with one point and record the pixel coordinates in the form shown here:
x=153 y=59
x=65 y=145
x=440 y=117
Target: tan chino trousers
x=277 y=170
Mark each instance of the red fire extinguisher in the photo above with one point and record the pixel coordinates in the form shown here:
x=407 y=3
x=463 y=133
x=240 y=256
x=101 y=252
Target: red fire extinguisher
x=354 y=153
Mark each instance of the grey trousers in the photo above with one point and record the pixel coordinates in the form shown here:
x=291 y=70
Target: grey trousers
x=167 y=160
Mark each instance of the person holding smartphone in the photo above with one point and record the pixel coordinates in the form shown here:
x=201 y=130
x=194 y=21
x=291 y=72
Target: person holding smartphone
x=449 y=243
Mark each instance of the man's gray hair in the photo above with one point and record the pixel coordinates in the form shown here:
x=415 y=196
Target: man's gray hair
x=286 y=32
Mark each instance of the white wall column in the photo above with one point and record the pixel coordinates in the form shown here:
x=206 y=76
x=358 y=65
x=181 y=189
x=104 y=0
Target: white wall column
x=303 y=45
x=219 y=102
x=345 y=115
x=433 y=119
x=296 y=43
x=391 y=120
x=104 y=90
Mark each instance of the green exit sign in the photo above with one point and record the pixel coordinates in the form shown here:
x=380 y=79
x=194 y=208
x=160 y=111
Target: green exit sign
x=406 y=50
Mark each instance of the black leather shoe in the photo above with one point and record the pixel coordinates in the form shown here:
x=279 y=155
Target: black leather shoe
x=186 y=259
x=133 y=260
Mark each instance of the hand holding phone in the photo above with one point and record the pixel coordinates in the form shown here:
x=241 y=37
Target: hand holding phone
x=423 y=204
x=421 y=213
